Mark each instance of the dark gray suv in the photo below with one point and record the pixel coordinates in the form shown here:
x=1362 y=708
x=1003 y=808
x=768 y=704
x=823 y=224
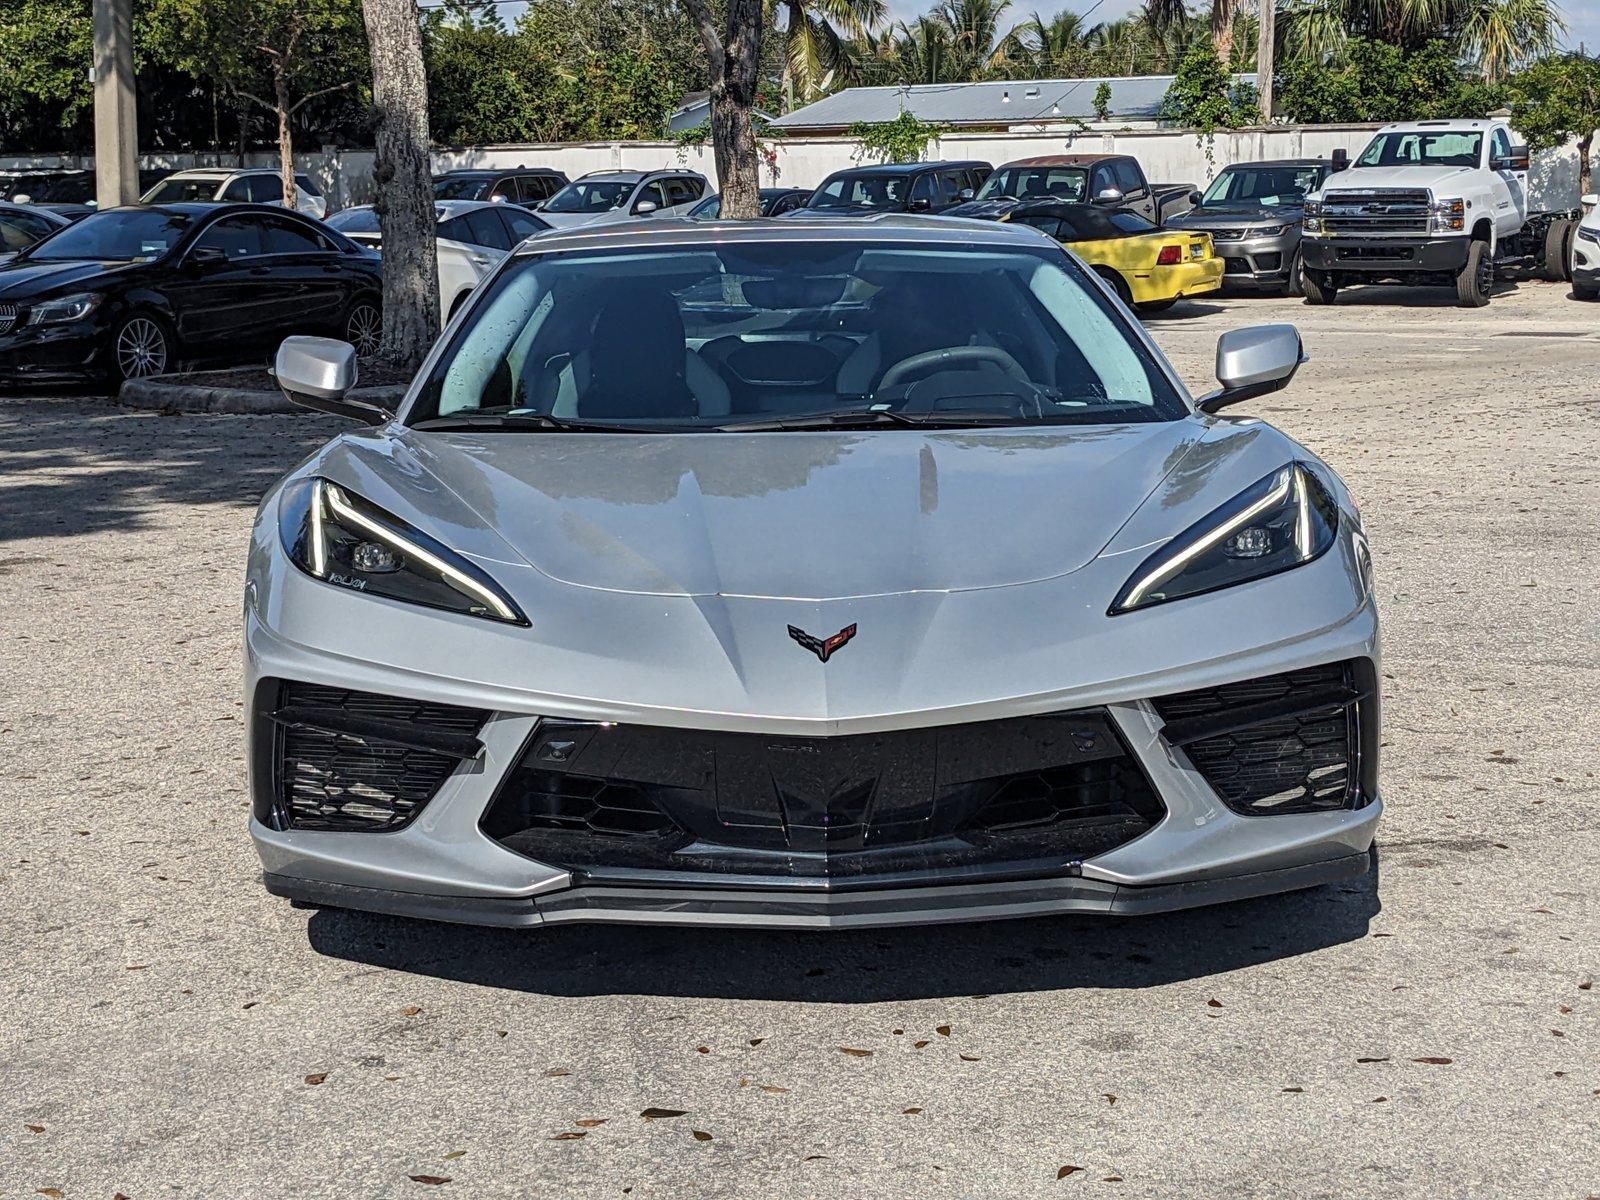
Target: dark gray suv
x=1252 y=212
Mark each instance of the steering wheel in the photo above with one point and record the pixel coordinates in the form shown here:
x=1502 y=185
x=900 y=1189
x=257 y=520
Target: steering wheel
x=949 y=355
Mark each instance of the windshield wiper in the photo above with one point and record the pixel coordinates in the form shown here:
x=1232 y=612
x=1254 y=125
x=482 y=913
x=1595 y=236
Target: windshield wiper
x=860 y=418
x=458 y=422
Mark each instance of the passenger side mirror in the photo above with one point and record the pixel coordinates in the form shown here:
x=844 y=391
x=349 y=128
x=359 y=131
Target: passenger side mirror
x=1517 y=160
x=1341 y=160
x=1253 y=362
x=1195 y=197
x=645 y=207
x=1108 y=195
x=319 y=373
x=919 y=204
x=965 y=194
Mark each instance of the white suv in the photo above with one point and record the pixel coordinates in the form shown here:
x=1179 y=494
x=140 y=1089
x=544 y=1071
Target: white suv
x=601 y=197
x=219 y=184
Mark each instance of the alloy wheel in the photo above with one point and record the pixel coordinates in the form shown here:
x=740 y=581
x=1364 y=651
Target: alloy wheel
x=364 y=329
x=141 y=348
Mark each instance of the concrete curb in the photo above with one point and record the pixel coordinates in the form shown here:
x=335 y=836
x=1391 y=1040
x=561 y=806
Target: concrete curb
x=188 y=393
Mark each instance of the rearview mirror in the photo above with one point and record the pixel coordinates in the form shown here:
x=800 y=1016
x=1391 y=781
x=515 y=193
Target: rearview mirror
x=1108 y=195
x=1253 y=362
x=319 y=373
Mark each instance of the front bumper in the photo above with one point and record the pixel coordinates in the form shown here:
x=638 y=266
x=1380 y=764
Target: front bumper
x=52 y=353
x=1262 y=261
x=1386 y=257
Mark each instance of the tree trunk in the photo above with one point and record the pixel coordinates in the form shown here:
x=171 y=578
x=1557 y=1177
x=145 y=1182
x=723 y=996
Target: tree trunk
x=280 y=98
x=1584 y=144
x=734 y=63
x=1266 y=57
x=1222 y=31
x=404 y=181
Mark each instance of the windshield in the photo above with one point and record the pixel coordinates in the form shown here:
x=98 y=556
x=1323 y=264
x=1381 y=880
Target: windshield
x=355 y=220
x=1036 y=183
x=792 y=334
x=1446 y=148
x=182 y=191
x=1264 y=187
x=861 y=191
x=461 y=187
x=119 y=235
x=590 y=195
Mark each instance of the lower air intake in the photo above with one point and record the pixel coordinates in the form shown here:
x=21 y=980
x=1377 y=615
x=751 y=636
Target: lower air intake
x=1303 y=741
x=356 y=761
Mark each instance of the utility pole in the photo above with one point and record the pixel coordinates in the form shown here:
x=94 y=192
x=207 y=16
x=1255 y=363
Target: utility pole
x=116 y=126
x=1264 y=40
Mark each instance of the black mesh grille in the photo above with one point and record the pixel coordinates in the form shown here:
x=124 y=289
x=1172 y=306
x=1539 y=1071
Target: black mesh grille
x=1287 y=743
x=340 y=781
x=1027 y=791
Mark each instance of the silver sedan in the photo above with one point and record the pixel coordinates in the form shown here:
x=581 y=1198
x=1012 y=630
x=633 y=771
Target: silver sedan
x=839 y=573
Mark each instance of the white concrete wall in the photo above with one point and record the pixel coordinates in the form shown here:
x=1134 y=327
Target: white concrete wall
x=1168 y=156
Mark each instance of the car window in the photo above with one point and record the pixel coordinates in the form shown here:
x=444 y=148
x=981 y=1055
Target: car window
x=307 y=185
x=683 y=191
x=798 y=328
x=591 y=196
x=459 y=187
x=505 y=188
x=530 y=188
x=861 y=191
x=653 y=192
x=236 y=237
x=708 y=209
x=363 y=219
x=290 y=237
x=925 y=191
x=26 y=226
x=521 y=224
x=950 y=185
x=116 y=235
x=1500 y=144
x=1128 y=176
x=486 y=229
x=1442 y=148
x=266 y=189
x=237 y=191
x=1269 y=187
x=456 y=230
x=1101 y=180
x=788 y=203
x=1036 y=183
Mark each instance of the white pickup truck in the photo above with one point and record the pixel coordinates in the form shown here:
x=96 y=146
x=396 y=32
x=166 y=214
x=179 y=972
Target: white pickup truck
x=1432 y=202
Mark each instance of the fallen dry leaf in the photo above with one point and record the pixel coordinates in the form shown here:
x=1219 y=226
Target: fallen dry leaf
x=1110 y=1099
x=700 y=1135
x=569 y=1135
x=970 y=1058
x=757 y=1041
x=1434 y=1060
x=53 y=1193
x=1293 y=1089
x=909 y=1112
x=853 y=1051
x=410 y=1010
x=919 y=1045
x=432 y=1180
x=1213 y=1003
x=591 y=1122
x=661 y=1114
x=773 y=1089
x=702 y=1049
x=454 y=1154
x=1371 y=1060
x=34 y=1128
x=313 y=1080
x=1068 y=1170
x=943 y=1031
x=556 y=1072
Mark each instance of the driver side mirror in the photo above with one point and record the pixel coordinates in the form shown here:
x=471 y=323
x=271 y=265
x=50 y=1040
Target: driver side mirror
x=1517 y=160
x=1195 y=198
x=319 y=373
x=965 y=194
x=919 y=204
x=207 y=256
x=1252 y=362
x=1108 y=195
x=645 y=207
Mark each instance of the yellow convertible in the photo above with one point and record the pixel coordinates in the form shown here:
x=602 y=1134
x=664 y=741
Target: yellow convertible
x=1149 y=267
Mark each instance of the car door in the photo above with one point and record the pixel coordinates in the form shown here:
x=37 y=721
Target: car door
x=505 y=188
x=654 y=193
x=306 y=277
x=219 y=292
x=951 y=185
x=1135 y=190
x=924 y=195
x=1508 y=187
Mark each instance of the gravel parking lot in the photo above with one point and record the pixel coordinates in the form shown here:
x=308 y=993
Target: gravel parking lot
x=168 y=1029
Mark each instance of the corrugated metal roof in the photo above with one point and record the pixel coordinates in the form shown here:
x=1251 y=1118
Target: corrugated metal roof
x=1002 y=102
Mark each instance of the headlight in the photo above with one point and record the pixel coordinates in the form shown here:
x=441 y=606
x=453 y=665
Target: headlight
x=1589 y=235
x=64 y=309
x=1269 y=231
x=1284 y=521
x=1313 y=208
x=1449 y=215
x=336 y=536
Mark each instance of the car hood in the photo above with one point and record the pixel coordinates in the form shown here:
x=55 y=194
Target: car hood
x=24 y=279
x=1359 y=179
x=802 y=515
x=1234 y=217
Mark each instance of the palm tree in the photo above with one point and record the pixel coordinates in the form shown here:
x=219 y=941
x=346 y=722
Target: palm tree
x=815 y=55
x=1058 y=46
x=1313 y=31
x=1222 y=13
x=925 y=52
x=975 y=35
x=1502 y=35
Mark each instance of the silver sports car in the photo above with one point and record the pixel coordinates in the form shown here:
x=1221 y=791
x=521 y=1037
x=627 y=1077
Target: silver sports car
x=839 y=573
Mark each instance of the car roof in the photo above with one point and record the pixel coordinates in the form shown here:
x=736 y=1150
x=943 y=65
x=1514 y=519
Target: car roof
x=1279 y=162
x=1477 y=123
x=487 y=172
x=877 y=227
x=1062 y=160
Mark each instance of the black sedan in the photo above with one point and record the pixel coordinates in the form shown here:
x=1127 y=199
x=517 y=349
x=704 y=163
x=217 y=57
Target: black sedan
x=132 y=291
x=22 y=225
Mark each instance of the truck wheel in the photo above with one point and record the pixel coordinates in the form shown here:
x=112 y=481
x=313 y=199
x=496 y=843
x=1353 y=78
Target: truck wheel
x=1557 y=264
x=1476 y=278
x=1316 y=288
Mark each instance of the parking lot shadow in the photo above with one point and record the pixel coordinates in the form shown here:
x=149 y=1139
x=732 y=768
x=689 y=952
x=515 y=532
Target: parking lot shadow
x=861 y=966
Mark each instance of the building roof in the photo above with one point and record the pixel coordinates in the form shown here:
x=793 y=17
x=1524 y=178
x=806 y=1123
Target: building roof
x=1001 y=102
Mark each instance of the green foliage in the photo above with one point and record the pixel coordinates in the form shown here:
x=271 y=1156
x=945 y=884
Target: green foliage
x=904 y=139
x=1380 y=81
x=1556 y=100
x=1102 y=101
x=1204 y=97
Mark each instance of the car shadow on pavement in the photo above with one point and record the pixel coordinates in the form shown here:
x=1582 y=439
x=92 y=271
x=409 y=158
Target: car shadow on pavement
x=861 y=966
x=71 y=466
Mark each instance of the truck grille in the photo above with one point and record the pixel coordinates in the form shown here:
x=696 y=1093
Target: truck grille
x=8 y=317
x=1378 y=212
x=1291 y=743
x=354 y=761
x=1019 y=796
